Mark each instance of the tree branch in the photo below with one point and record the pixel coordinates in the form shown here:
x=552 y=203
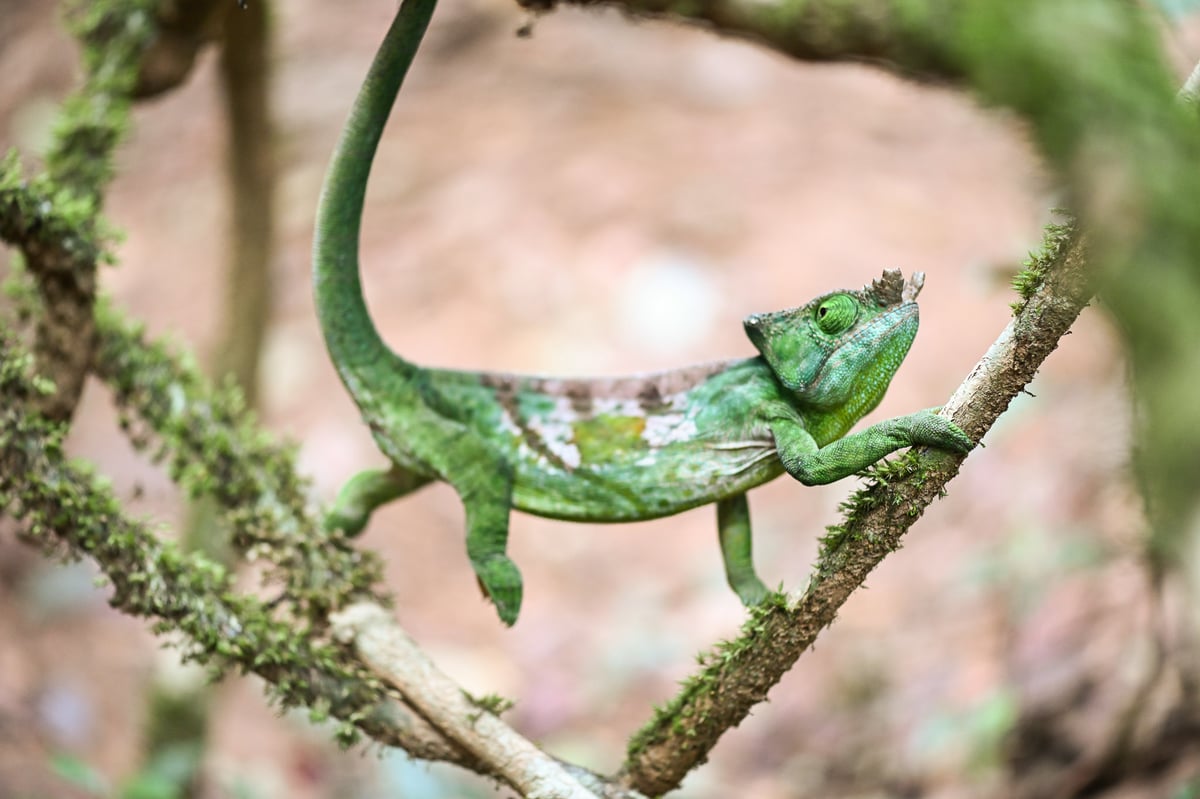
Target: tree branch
x=78 y=167
x=184 y=28
x=737 y=674
x=63 y=510
x=213 y=446
x=905 y=37
x=395 y=658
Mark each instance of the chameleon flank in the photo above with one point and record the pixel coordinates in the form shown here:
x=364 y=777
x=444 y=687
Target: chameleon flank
x=604 y=450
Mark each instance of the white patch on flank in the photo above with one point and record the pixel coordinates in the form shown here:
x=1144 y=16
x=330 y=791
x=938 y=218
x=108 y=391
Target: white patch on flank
x=663 y=429
x=508 y=424
x=556 y=432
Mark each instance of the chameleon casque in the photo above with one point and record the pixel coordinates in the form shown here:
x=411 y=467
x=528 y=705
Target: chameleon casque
x=604 y=450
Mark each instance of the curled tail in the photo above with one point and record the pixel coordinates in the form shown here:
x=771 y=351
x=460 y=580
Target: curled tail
x=350 y=335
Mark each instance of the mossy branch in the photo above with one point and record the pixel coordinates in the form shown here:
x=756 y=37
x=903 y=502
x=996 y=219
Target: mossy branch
x=903 y=36
x=93 y=119
x=71 y=513
x=396 y=658
x=53 y=228
x=213 y=446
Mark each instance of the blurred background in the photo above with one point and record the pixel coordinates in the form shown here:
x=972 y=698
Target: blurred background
x=605 y=197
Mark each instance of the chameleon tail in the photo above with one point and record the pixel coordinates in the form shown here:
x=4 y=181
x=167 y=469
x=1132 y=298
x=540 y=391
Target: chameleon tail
x=350 y=335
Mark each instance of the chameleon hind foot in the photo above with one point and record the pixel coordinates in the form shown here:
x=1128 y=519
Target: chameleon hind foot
x=750 y=590
x=733 y=529
x=500 y=581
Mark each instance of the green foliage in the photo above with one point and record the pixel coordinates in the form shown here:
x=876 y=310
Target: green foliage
x=979 y=732
x=168 y=776
x=80 y=774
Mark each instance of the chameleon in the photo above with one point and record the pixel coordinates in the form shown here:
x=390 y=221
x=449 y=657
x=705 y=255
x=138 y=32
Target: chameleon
x=609 y=449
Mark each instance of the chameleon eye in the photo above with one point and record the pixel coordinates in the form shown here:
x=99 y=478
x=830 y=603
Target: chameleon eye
x=836 y=314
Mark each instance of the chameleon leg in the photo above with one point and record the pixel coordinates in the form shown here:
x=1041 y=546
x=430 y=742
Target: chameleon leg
x=486 y=493
x=483 y=479
x=853 y=453
x=733 y=528
x=365 y=492
x=487 y=538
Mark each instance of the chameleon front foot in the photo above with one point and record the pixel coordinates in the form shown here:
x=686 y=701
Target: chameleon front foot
x=500 y=582
x=931 y=430
x=363 y=493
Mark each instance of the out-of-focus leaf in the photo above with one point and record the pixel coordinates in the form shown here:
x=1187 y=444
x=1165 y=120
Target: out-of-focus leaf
x=79 y=774
x=1177 y=8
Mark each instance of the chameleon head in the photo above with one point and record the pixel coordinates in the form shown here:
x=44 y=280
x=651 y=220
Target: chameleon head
x=842 y=348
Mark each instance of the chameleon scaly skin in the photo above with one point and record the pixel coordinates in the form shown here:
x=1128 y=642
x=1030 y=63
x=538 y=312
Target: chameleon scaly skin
x=604 y=450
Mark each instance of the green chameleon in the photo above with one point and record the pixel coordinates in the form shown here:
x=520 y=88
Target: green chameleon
x=604 y=450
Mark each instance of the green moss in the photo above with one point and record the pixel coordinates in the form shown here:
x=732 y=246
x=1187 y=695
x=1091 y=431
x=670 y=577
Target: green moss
x=54 y=218
x=1056 y=237
x=488 y=703
x=678 y=715
x=113 y=34
x=69 y=513
x=51 y=224
x=213 y=446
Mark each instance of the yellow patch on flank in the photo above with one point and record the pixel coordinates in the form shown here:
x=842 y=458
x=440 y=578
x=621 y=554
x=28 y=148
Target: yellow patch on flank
x=600 y=437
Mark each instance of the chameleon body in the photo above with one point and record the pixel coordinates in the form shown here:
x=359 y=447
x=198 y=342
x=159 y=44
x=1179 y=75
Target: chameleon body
x=604 y=450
